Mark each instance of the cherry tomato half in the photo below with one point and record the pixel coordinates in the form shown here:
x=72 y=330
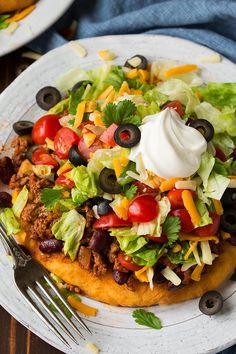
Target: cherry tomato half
x=211 y=229
x=41 y=157
x=144 y=189
x=64 y=181
x=143 y=208
x=175 y=198
x=177 y=106
x=46 y=127
x=108 y=136
x=162 y=239
x=127 y=262
x=185 y=219
x=85 y=151
x=110 y=220
x=64 y=139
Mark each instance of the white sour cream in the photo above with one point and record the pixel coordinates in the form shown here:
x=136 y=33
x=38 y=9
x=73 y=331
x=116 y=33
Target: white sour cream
x=168 y=147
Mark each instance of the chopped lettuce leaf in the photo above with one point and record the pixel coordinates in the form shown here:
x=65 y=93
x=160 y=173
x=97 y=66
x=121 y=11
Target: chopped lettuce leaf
x=136 y=84
x=155 y=96
x=59 y=107
x=130 y=191
x=85 y=182
x=224 y=142
x=8 y=219
x=216 y=186
x=219 y=94
x=178 y=258
x=178 y=90
x=147 y=256
x=203 y=211
x=145 y=110
x=124 y=178
x=128 y=240
x=222 y=121
x=115 y=77
x=206 y=166
x=223 y=167
x=20 y=202
x=201 y=196
x=98 y=76
x=171 y=228
x=76 y=97
x=70 y=78
x=70 y=229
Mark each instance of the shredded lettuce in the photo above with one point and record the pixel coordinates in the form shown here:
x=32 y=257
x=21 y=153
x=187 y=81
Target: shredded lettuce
x=10 y=222
x=147 y=256
x=216 y=186
x=128 y=240
x=70 y=78
x=59 y=107
x=70 y=229
x=224 y=142
x=20 y=202
x=219 y=94
x=155 y=96
x=203 y=211
x=206 y=166
x=177 y=89
x=145 y=110
x=98 y=76
x=115 y=77
x=85 y=182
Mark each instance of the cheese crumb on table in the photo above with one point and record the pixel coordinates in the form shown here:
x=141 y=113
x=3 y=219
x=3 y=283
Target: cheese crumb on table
x=92 y=348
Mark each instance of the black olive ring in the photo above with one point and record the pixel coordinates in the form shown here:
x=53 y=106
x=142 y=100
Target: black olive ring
x=131 y=131
x=205 y=127
x=141 y=65
x=108 y=182
x=211 y=303
x=23 y=127
x=228 y=221
x=47 y=97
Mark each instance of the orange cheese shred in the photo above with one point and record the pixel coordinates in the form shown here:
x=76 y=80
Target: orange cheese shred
x=98 y=118
x=20 y=15
x=196 y=274
x=143 y=75
x=79 y=306
x=182 y=69
x=218 y=206
x=168 y=184
x=132 y=74
x=124 y=89
x=90 y=106
x=190 y=250
x=105 y=93
x=191 y=207
x=189 y=237
x=79 y=114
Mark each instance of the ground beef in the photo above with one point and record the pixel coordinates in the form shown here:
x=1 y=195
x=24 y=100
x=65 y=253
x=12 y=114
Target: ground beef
x=166 y=262
x=113 y=252
x=20 y=144
x=99 y=265
x=119 y=267
x=72 y=288
x=87 y=212
x=132 y=283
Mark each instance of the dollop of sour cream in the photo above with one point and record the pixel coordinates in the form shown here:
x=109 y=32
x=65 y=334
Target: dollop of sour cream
x=168 y=147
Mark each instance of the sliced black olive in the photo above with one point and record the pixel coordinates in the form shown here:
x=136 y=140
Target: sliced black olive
x=23 y=127
x=75 y=158
x=211 y=303
x=104 y=207
x=127 y=135
x=205 y=127
x=80 y=83
x=47 y=97
x=137 y=62
x=229 y=198
x=228 y=221
x=108 y=182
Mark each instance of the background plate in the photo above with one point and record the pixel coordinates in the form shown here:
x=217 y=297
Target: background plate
x=185 y=329
x=46 y=13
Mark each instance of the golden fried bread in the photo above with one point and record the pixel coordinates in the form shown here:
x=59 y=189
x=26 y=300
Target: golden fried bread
x=13 y=5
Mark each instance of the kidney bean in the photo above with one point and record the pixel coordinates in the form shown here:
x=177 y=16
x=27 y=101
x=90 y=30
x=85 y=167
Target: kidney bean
x=51 y=245
x=120 y=277
x=5 y=200
x=232 y=240
x=6 y=169
x=100 y=241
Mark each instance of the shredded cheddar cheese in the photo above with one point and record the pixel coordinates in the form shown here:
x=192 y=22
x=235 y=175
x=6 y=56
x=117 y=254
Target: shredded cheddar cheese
x=132 y=74
x=225 y=235
x=79 y=306
x=89 y=138
x=191 y=207
x=106 y=55
x=169 y=184
x=182 y=69
x=143 y=75
x=106 y=93
x=98 y=118
x=79 y=114
x=20 y=15
x=196 y=274
x=189 y=237
x=64 y=167
x=14 y=195
x=90 y=106
x=190 y=250
x=50 y=144
x=218 y=206
x=124 y=89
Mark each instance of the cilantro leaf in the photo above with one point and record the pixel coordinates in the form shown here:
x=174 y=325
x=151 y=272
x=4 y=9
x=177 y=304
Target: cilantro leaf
x=76 y=97
x=50 y=197
x=171 y=228
x=115 y=77
x=121 y=113
x=148 y=319
x=130 y=192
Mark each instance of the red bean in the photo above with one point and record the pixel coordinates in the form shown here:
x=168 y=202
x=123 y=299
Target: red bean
x=120 y=277
x=5 y=200
x=51 y=245
x=232 y=240
x=100 y=241
x=6 y=169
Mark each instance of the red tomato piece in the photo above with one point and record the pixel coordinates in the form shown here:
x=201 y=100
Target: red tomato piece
x=41 y=157
x=185 y=219
x=110 y=220
x=64 y=181
x=46 y=127
x=143 y=208
x=175 y=198
x=219 y=154
x=108 y=136
x=177 y=106
x=211 y=229
x=85 y=151
x=127 y=262
x=162 y=239
x=64 y=139
x=144 y=189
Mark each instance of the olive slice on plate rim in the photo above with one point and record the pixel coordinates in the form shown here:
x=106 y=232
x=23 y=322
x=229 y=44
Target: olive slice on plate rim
x=108 y=181
x=81 y=83
x=132 y=135
x=137 y=61
x=23 y=127
x=204 y=127
x=211 y=303
x=47 y=97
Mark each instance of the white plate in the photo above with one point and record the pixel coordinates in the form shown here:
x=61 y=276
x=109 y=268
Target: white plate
x=44 y=15
x=185 y=329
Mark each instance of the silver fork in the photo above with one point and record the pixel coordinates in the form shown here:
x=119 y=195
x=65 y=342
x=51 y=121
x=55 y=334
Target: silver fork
x=33 y=281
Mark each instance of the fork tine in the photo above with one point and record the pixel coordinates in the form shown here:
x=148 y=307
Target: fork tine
x=49 y=296
x=41 y=315
x=11 y=241
x=50 y=312
x=61 y=297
